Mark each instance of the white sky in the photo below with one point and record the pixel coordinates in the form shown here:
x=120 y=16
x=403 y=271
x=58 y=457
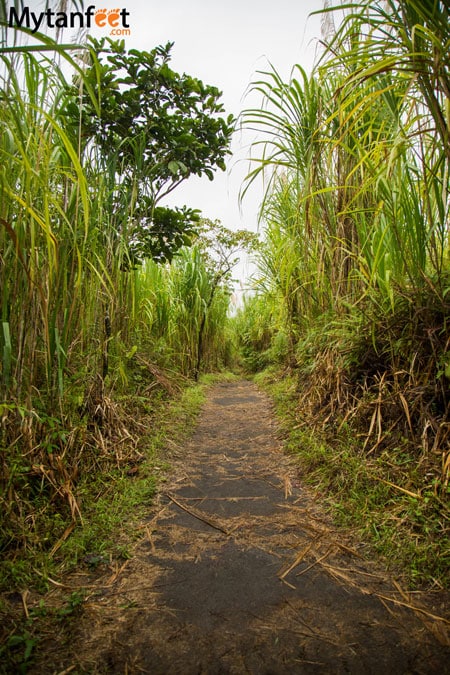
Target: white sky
x=224 y=44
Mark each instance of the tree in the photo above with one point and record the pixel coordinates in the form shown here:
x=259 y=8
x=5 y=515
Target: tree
x=155 y=129
x=220 y=247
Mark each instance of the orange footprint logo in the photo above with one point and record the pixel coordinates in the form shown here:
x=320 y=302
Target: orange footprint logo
x=100 y=17
x=113 y=17
x=104 y=16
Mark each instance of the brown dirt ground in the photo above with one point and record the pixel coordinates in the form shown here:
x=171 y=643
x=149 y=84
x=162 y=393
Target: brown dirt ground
x=240 y=571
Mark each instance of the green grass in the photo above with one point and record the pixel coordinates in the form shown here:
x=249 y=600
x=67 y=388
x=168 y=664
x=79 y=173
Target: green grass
x=208 y=379
x=410 y=533
x=115 y=502
x=110 y=500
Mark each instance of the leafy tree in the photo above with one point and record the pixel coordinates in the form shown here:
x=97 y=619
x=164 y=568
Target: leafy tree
x=155 y=129
x=160 y=231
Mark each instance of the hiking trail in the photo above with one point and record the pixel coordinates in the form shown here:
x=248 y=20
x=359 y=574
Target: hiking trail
x=241 y=571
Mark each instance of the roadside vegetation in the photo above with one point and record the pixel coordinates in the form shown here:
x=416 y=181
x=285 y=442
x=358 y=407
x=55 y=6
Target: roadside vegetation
x=113 y=305
x=351 y=311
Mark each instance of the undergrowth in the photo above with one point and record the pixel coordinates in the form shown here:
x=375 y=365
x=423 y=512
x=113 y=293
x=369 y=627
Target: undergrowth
x=387 y=497
x=112 y=502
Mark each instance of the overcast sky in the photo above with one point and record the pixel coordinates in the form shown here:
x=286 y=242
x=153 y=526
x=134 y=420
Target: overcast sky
x=225 y=44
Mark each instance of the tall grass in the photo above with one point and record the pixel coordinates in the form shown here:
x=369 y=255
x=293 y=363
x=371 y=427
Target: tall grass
x=356 y=163
x=355 y=263
x=170 y=303
x=78 y=323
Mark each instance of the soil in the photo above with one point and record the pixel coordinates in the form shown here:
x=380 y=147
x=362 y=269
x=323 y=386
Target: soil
x=241 y=571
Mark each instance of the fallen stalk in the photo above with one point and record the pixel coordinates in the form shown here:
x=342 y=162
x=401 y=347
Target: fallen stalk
x=196 y=514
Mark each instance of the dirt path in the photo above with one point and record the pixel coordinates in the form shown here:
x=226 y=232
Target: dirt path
x=241 y=573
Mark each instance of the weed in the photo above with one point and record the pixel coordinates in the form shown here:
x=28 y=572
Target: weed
x=73 y=605
x=18 y=651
